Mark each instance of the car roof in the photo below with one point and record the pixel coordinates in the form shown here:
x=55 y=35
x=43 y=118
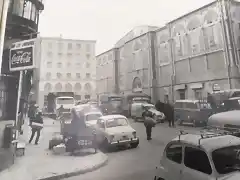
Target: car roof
x=187 y=101
x=93 y=112
x=107 y=117
x=65 y=97
x=210 y=142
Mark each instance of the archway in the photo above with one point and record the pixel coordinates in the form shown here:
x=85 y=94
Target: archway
x=87 y=87
x=48 y=87
x=68 y=87
x=137 y=84
x=58 y=87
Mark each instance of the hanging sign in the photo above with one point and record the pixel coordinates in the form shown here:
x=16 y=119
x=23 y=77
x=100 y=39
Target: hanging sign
x=22 y=55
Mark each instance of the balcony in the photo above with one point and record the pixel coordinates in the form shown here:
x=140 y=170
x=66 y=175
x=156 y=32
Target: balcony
x=23 y=18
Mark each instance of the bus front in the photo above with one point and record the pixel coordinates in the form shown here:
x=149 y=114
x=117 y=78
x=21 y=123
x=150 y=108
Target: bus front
x=65 y=104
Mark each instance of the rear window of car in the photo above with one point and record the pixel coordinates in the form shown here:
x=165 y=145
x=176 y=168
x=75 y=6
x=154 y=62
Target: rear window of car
x=178 y=105
x=190 y=105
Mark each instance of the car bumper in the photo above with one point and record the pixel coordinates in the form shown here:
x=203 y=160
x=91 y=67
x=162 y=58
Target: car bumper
x=124 y=142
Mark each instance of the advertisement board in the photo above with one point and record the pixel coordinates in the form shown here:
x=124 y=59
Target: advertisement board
x=22 y=55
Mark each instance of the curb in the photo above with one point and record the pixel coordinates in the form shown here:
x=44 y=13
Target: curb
x=78 y=172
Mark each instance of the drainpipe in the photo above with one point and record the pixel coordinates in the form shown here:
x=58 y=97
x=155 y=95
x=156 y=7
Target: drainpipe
x=172 y=61
x=116 y=71
x=152 y=58
x=225 y=42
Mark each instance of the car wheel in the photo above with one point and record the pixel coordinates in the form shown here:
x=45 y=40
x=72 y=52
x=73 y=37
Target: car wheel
x=105 y=145
x=134 y=145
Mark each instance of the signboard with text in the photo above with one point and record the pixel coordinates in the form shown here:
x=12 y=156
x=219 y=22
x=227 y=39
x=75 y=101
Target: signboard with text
x=22 y=55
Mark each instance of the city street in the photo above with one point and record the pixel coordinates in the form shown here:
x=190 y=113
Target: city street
x=136 y=163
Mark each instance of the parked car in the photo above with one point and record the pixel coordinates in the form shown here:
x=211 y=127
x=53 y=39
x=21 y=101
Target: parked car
x=228 y=121
x=205 y=156
x=92 y=117
x=192 y=112
x=114 y=131
x=137 y=110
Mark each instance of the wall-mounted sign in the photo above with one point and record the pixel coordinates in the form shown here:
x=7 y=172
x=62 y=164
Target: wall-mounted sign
x=22 y=55
x=216 y=87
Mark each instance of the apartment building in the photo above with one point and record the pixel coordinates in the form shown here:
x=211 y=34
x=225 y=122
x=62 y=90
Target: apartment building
x=67 y=65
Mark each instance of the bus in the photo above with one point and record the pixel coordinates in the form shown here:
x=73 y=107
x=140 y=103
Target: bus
x=67 y=102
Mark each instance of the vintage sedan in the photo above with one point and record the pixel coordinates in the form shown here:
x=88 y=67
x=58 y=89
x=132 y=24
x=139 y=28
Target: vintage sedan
x=115 y=131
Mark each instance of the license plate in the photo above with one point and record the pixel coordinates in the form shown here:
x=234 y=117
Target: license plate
x=84 y=143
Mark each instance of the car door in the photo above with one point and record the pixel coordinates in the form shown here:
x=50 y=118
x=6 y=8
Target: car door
x=196 y=164
x=100 y=130
x=172 y=161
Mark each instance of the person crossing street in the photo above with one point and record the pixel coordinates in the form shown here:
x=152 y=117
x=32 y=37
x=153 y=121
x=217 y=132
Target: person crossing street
x=149 y=123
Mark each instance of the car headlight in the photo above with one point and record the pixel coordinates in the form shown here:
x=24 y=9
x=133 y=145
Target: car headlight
x=134 y=134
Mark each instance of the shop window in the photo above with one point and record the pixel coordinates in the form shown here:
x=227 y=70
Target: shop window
x=182 y=94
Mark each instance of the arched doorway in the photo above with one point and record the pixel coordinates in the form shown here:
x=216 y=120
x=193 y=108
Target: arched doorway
x=68 y=87
x=48 y=87
x=137 y=85
x=58 y=87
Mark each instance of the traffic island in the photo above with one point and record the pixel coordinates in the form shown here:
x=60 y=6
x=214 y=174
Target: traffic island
x=39 y=163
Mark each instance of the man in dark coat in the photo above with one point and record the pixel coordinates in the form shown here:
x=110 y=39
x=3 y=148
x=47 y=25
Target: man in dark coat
x=168 y=111
x=38 y=119
x=32 y=112
x=149 y=123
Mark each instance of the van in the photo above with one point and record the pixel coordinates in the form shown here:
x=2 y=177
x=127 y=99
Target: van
x=192 y=112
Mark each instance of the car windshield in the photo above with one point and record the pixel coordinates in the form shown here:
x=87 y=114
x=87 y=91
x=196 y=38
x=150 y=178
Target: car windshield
x=149 y=107
x=116 y=122
x=227 y=160
x=116 y=104
x=91 y=117
x=65 y=101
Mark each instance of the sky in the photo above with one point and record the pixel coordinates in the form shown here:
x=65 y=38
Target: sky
x=107 y=21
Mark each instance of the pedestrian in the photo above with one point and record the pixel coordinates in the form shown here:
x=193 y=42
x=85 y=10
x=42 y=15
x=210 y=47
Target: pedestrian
x=37 y=125
x=149 y=123
x=32 y=113
x=169 y=111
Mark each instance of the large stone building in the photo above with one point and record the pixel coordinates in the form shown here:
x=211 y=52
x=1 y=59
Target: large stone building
x=185 y=58
x=67 y=65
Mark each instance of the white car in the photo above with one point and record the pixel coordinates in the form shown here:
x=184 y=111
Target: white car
x=115 y=130
x=91 y=118
x=204 y=156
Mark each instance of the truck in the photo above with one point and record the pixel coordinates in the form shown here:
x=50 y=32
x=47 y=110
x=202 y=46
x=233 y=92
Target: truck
x=56 y=100
x=110 y=103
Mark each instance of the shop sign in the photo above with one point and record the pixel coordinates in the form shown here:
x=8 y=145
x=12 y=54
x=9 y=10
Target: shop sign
x=22 y=55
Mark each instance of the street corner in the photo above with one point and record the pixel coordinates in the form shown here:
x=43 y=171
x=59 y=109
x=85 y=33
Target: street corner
x=62 y=166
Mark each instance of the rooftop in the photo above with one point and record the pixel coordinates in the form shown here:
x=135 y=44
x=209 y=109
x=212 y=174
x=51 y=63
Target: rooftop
x=209 y=141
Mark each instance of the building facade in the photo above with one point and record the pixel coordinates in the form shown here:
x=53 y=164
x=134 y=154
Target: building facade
x=67 y=65
x=21 y=24
x=185 y=58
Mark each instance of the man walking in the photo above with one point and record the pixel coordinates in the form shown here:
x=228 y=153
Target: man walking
x=149 y=123
x=36 y=125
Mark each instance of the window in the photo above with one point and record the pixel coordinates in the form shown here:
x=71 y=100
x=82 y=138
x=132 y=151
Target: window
x=48 y=75
x=78 y=46
x=59 y=65
x=69 y=75
x=88 y=56
x=78 y=75
x=197 y=159
x=174 y=153
x=68 y=64
x=69 y=45
x=116 y=122
x=178 y=105
x=49 y=64
x=182 y=94
x=59 y=75
x=78 y=65
x=88 y=75
x=100 y=122
x=87 y=96
x=60 y=55
x=198 y=94
x=191 y=105
x=210 y=40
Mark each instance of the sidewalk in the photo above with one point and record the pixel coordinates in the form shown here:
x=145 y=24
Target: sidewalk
x=39 y=163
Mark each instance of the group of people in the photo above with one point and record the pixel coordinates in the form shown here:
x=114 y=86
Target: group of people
x=149 y=122
x=35 y=119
